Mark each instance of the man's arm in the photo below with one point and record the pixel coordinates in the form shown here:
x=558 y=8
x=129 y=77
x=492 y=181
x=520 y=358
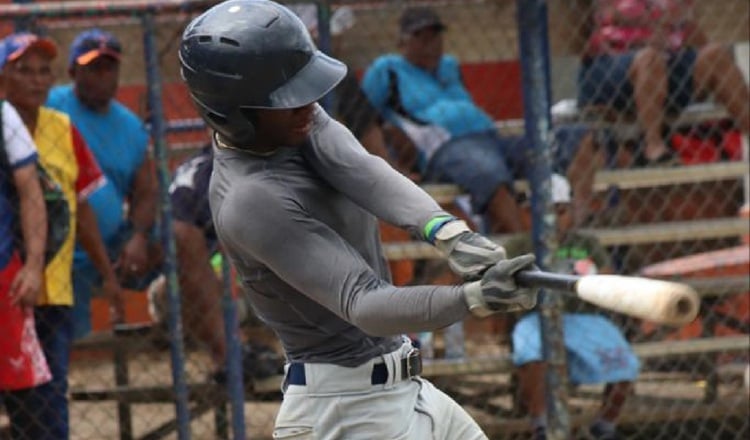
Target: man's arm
x=389 y=195
x=368 y=180
x=87 y=234
x=89 y=179
x=313 y=259
x=143 y=197
x=134 y=256
x=200 y=287
x=33 y=216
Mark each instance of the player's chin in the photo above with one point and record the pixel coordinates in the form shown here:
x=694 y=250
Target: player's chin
x=298 y=137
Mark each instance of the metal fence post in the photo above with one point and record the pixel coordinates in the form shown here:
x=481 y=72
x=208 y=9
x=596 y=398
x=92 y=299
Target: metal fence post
x=235 y=383
x=534 y=55
x=156 y=116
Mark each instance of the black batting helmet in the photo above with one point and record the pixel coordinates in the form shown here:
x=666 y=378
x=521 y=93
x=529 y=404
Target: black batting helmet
x=241 y=55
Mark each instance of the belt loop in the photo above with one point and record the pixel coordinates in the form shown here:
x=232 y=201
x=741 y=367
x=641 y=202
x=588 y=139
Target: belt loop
x=393 y=362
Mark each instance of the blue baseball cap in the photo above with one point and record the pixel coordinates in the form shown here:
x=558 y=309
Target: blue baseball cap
x=92 y=44
x=15 y=45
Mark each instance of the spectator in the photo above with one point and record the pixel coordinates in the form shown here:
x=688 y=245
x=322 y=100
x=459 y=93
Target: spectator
x=201 y=289
x=22 y=362
x=27 y=71
x=119 y=142
x=597 y=351
x=420 y=91
x=651 y=57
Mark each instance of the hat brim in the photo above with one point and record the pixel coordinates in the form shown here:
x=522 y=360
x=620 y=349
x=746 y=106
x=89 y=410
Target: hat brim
x=310 y=84
x=416 y=27
x=43 y=44
x=91 y=55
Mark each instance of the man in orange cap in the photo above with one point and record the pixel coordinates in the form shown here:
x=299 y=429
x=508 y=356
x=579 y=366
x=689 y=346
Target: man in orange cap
x=26 y=69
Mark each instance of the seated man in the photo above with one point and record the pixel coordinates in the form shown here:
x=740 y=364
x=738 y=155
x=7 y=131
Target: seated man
x=201 y=288
x=650 y=57
x=597 y=352
x=420 y=91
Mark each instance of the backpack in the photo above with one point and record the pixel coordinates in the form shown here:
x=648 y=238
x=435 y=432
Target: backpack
x=58 y=211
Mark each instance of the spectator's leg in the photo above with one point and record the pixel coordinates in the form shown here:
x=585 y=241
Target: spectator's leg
x=577 y=155
x=504 y=213
x=613 y=400
x=23 y=407
x=648 y=74
x=716 y=72
x=527 y=357
x=54 y=327
x=581 y=174
x=531 y=389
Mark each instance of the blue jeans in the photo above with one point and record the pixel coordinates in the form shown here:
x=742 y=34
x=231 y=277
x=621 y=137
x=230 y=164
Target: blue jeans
x=479 y=163
x=41 y=413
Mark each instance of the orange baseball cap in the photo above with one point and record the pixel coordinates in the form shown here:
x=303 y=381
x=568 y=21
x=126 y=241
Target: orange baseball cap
x=92 y=44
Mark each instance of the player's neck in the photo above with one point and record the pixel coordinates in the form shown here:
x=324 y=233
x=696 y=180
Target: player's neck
x=252 y=149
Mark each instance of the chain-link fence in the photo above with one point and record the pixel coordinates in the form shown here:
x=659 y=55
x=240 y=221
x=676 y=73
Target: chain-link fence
x=648 y=131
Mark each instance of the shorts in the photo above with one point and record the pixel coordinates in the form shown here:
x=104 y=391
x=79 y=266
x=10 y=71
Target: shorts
x=479 y=163
x=597 y=352
x=604 y=80
x=340 y=402
x=22 y=361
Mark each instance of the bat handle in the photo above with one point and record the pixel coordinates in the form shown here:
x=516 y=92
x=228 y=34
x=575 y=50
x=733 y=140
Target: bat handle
x=547 y=280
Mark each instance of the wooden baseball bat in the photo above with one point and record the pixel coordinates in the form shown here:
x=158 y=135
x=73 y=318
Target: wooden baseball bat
x=664 y=302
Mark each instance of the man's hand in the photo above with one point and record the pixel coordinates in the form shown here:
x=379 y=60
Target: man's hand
x=26 y=285
x=113 y=292
x=498 y=292
x=469 y=253
x=133 y=260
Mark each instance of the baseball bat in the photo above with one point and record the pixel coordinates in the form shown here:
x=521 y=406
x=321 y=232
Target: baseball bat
x=663 y=302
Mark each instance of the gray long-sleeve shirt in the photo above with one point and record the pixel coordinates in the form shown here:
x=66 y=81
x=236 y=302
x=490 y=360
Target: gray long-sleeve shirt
x=300 y=226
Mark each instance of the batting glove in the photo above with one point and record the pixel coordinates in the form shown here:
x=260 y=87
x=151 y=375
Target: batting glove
x=469 y=253
x=497 y=291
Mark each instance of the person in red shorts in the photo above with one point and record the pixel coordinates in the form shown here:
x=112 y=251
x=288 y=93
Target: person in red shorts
x=22 y=362
x=26 y=69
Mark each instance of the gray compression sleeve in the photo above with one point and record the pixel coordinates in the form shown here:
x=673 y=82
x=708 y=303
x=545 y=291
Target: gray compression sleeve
x=314 y=260
x=339 y=158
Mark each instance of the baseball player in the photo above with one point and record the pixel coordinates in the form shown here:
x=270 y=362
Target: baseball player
x=294 y=198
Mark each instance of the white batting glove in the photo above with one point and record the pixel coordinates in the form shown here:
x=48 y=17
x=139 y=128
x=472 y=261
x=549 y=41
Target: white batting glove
x=497 y=291
x=469 y=254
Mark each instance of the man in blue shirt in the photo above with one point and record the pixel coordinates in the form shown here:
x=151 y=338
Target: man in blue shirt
x=421 y=92
x=118 y=139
